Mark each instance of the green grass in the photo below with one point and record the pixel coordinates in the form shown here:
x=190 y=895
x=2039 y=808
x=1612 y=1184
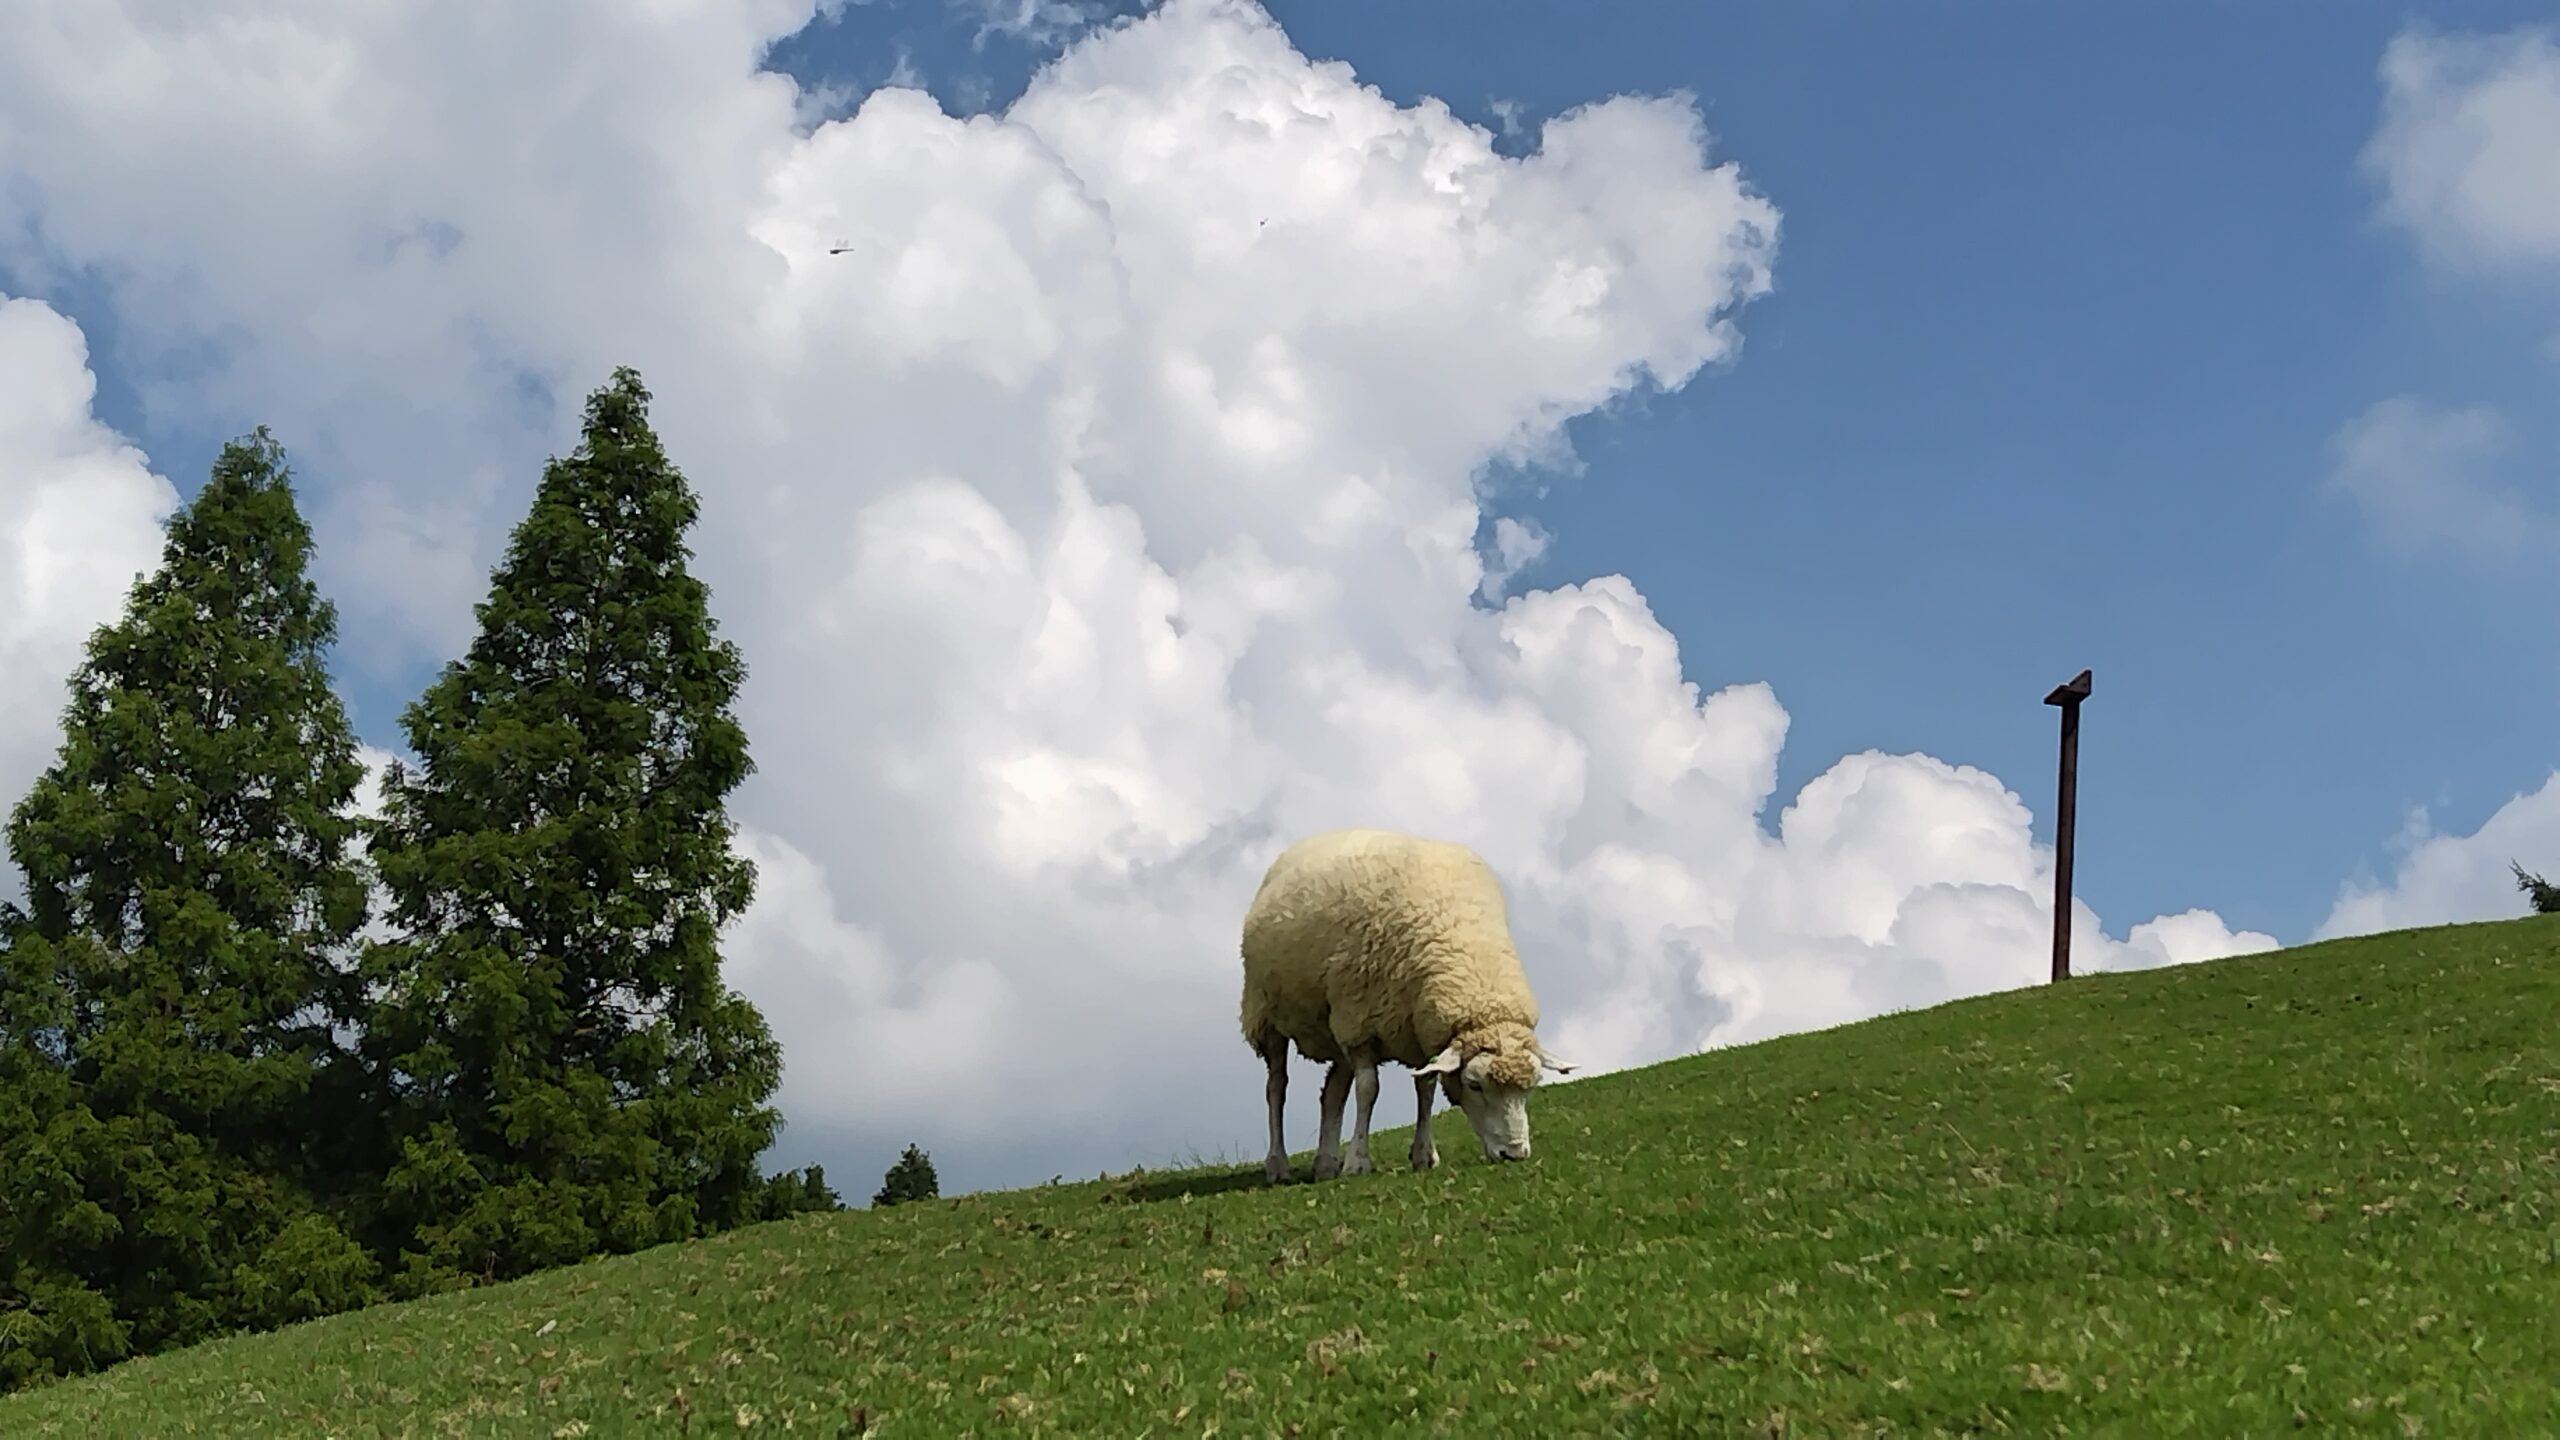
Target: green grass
x=2318 y=1189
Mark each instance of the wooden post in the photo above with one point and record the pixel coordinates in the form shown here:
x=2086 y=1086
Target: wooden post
x=2068 y=695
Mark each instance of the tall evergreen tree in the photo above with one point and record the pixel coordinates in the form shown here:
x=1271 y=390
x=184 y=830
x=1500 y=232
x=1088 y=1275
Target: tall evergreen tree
x=170 y=991
x=574 y=1075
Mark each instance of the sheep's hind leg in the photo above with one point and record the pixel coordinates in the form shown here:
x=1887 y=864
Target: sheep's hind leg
x=1275 y=1094
x=1337 y=1088
x=1426 y=1152
x=1364 y=1082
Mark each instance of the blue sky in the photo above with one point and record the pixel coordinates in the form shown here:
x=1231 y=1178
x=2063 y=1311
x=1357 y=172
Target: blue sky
x=2071 y=309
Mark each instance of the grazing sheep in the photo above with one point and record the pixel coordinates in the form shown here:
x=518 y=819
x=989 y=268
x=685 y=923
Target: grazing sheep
x=1364 y=946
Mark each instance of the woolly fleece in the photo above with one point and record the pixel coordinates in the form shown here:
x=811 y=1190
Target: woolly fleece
x=1364 y=936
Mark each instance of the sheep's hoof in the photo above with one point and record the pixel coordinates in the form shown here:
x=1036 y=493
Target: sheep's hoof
x=1425 y=1159
x=1275 y=1170
x=1328 y=1166
x=1356 y=1165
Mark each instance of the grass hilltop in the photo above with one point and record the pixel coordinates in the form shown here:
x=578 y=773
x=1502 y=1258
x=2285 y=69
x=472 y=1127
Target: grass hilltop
x=2315 y=1189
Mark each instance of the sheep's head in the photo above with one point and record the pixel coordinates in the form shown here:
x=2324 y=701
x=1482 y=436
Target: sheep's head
x=1488 y=1074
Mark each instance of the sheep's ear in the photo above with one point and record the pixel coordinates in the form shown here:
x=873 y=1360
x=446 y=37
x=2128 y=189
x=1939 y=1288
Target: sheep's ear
x=1444 y=1063
x=1551 y=1062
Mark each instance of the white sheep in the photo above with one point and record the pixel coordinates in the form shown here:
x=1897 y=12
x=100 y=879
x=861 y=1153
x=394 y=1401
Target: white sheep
x=1364 y=946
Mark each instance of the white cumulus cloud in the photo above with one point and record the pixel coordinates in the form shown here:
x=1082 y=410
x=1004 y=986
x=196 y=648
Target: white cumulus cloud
x=80 y=516
x=2441 y=879
x=2467 y=150
x=2468 y=146
x=2466 y=153
x=2426 y=478
x=1112 y=513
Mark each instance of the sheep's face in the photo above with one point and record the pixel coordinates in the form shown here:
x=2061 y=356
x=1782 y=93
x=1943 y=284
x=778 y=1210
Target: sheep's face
x=1490 y=1084
x=1498 y=1113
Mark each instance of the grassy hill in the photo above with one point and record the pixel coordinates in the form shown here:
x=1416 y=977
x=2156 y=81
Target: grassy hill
x=2318 y=1189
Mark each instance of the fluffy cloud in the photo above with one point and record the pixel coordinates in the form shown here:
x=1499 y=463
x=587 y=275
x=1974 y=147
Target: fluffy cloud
x=2466 y=151
x=2425 y=477
x=1108 y=516
x=2443 y=879
x=80 y=515
x=2468 y=145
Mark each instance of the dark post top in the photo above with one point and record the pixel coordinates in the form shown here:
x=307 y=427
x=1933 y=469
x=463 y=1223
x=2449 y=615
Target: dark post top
x=2071 y=691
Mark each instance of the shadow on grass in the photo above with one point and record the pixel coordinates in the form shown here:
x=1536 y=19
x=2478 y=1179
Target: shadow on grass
x=1149 y=1189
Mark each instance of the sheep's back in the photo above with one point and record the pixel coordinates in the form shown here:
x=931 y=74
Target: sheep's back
x=1364 y=934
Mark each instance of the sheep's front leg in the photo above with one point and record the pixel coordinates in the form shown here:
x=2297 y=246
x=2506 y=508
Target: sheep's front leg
x=1365 y=1083
x=1337 y=1088
x=1275 y=1094
x=1426 y=1153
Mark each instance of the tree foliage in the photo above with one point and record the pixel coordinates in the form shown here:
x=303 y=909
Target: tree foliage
x=168 y=995
x=2543 y=896
x=571 y=1074
x=797 y=1192
x=214 y=1114
x=911 y=1178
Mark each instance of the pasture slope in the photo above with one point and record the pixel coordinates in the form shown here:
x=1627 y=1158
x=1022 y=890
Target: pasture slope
x=2316 y=1190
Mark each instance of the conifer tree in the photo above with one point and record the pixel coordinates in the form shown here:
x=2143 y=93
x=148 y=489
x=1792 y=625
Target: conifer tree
x=797 y=1192
x=170 y=990
x=573 y=1074
x=2539 y=893
x=911 y=1178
